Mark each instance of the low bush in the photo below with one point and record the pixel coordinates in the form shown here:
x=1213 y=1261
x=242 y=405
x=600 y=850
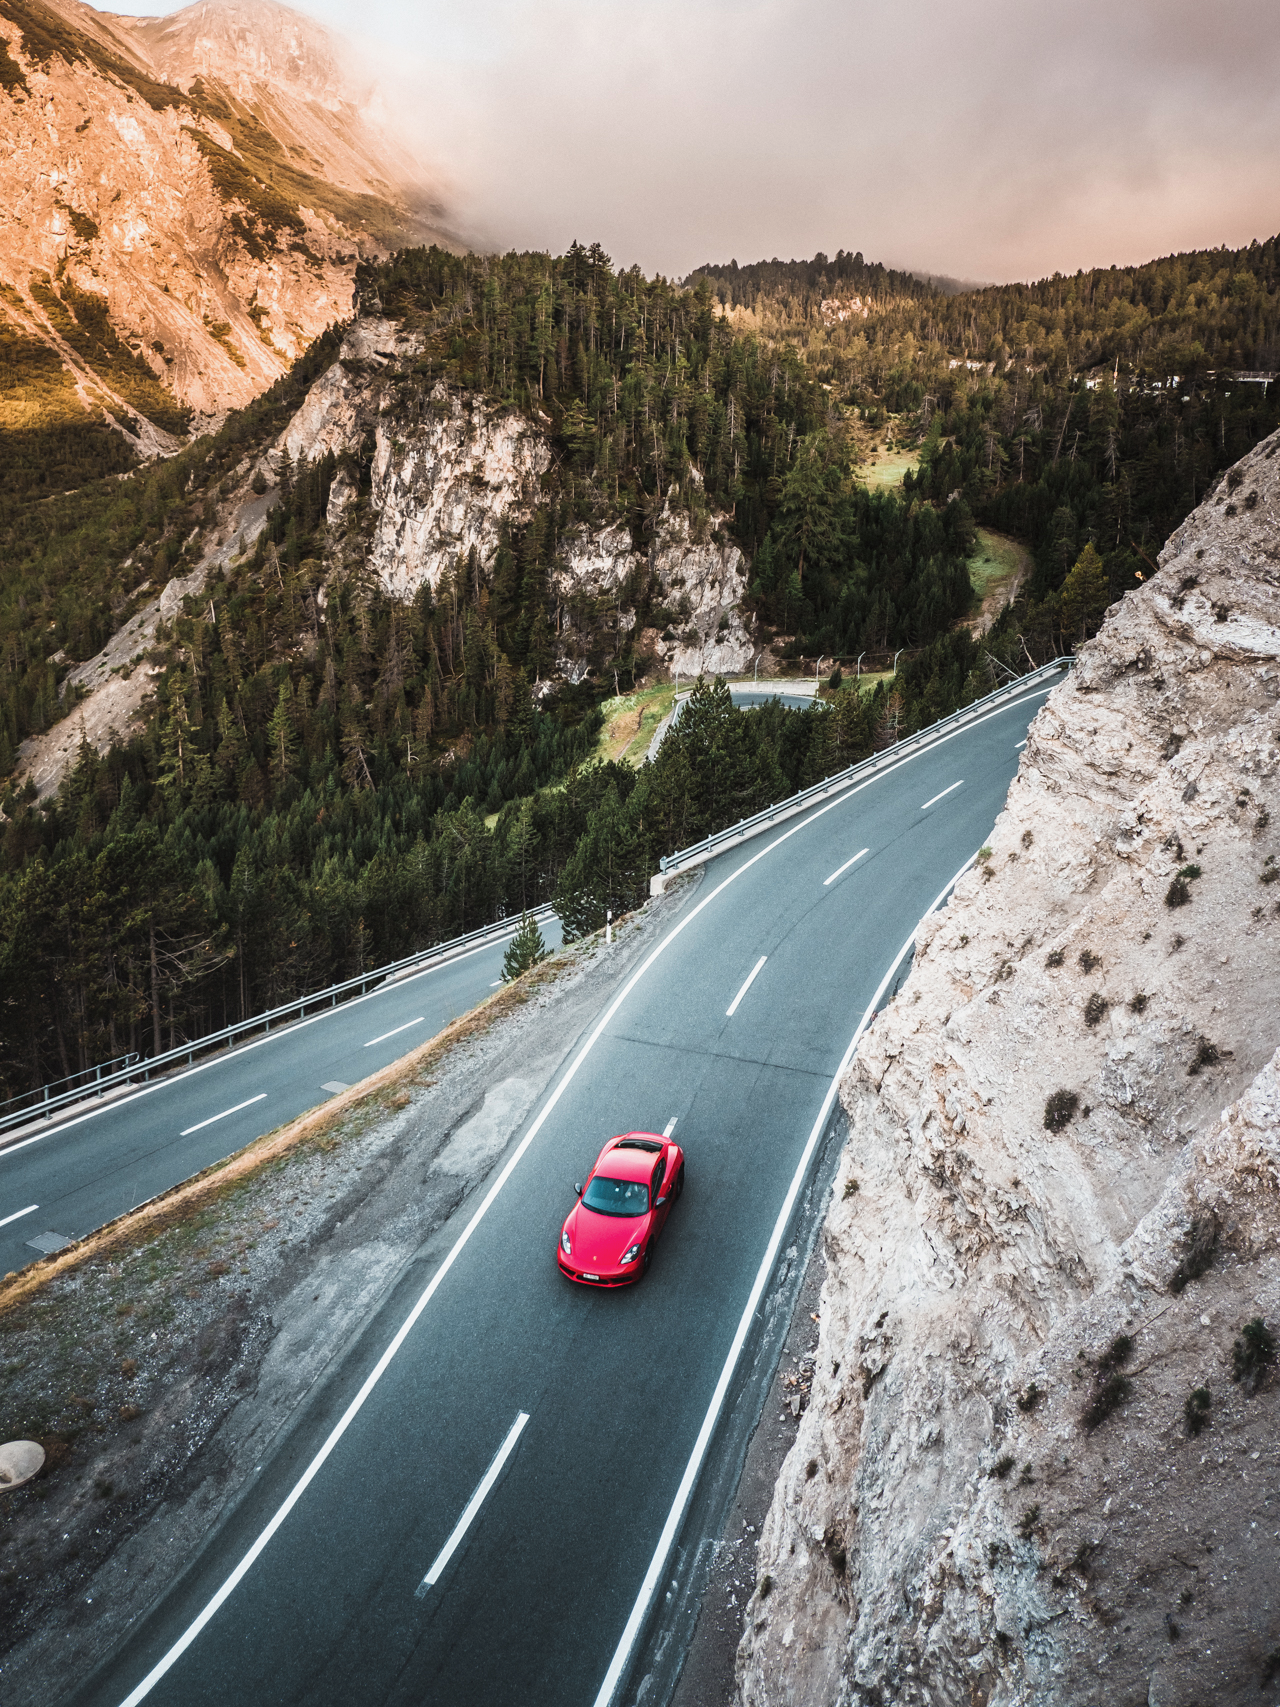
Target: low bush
x=1179 y=891
x=1058 y=1110
x=1095 y=1009
x=1089 y=961
x=1002 y=1466
x=1055 y=957
x=1207 y=1055
x=1253 y=1354
x=1196 y=1411
x=1108 y=1396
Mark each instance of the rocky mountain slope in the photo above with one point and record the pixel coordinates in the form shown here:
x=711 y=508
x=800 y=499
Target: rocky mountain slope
x=182 y=204
x=1040 y=1464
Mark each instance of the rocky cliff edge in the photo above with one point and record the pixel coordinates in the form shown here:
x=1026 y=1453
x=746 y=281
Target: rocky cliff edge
x=1042 y=1459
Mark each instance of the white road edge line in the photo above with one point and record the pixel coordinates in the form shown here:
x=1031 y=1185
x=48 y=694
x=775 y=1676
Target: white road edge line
x=943 y=795
x=167 y=1660
x=670 y=1127
x=201 y=1124
x=658 y=1564
x=407 y=1026
x=750 y=980
x=473 y=1506
x=845 y=867
x=31 y=1209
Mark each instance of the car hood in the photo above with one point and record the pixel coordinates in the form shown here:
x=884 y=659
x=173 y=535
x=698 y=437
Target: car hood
x=599 y=1240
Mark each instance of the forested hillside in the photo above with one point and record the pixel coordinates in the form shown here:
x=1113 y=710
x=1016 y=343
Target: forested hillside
x=1095 y=409
x=309 y=794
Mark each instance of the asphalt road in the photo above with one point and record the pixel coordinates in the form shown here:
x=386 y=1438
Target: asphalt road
x=62 y=1182
x=561 y=1423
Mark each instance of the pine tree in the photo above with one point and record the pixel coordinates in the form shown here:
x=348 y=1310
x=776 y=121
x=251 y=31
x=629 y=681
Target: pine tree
x=525 y=949
x=1085 y=595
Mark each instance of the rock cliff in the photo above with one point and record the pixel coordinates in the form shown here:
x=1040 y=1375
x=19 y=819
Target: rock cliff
x=183 y=199
x=1042 y=1459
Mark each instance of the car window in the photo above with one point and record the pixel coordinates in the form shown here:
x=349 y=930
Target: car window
x=616 y=1196
x=657 y=1177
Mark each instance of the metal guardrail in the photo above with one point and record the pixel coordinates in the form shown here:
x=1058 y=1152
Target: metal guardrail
x=669 y=865
x=38 y=1104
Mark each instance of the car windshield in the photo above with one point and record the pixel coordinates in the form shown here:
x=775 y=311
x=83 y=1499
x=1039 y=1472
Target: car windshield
x=616 y=1196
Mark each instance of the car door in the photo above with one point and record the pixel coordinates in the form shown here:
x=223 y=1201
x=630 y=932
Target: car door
x=655 y=1192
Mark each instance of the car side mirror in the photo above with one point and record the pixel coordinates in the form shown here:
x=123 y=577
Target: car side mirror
x=577 y=1191
x=659 y=1202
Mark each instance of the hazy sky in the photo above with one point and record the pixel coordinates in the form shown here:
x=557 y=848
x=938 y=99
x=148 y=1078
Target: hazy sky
x=989 y=139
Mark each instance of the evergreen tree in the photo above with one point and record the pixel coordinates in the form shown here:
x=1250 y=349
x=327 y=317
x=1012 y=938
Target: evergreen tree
x=525 y=949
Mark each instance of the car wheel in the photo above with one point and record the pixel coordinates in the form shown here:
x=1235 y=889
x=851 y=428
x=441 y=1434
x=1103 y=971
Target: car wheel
x=679 y=1182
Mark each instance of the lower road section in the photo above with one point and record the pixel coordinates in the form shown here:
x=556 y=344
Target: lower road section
x=475 y=1508
x=62 y=1181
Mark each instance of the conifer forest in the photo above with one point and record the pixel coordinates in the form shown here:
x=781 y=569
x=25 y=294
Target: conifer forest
x=328 y=778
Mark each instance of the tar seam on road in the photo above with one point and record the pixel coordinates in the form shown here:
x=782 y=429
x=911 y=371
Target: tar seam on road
x=845 y=867
x=240 y=1049
x=684 y=1492
x=750 y=980
x=29 y=1210
x=473 y=1506
x=407 y=1026
x=175 y=1652
x=943 y=795
x=201 y=1124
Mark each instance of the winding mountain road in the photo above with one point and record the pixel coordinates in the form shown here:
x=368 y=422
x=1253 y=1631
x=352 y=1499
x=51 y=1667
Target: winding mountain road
x=481 y=1505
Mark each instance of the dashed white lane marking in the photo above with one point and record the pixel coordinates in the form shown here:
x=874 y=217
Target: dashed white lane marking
x=1018 y=744
x=473 y=1506
x=751 y=978
x=408 y=1025
x=942 y=796
x=495 y=983
x=845 y=867
x=667 y=1130
x=201 y=1124
x=32 y=1207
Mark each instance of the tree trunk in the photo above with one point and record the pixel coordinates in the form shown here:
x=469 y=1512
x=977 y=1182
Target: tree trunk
x=155 y=993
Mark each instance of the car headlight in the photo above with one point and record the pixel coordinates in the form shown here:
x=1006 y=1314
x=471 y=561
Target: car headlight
x=565 y=1246
x=631 y=1254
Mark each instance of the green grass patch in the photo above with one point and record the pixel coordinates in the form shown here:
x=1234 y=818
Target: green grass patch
x=996 y=560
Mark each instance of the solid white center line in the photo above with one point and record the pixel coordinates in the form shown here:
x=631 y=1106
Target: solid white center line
x=751 y=978
x=945 y=792
x=32 y=1207
x=473 y=1506
x=667 y=1130
x=386 y=1034
x=201 y=1124
x=845 y=867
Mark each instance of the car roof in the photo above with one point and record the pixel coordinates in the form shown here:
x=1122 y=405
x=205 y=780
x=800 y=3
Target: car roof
x=630 y=1157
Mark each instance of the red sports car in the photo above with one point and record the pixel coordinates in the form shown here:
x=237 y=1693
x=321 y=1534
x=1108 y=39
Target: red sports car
x=610 y=1234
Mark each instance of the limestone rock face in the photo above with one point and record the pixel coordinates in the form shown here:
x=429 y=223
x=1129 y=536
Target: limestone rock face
x=1065 y=1138
x=112 y=141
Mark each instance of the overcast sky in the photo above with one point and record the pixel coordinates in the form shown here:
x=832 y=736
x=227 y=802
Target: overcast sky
x=988 y=139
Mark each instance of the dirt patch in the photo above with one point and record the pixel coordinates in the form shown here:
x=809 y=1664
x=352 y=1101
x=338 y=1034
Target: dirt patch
x=158 y=1361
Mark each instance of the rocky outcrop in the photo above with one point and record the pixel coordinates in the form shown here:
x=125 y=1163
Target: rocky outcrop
x=1040 y=1464
x=211 y=177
